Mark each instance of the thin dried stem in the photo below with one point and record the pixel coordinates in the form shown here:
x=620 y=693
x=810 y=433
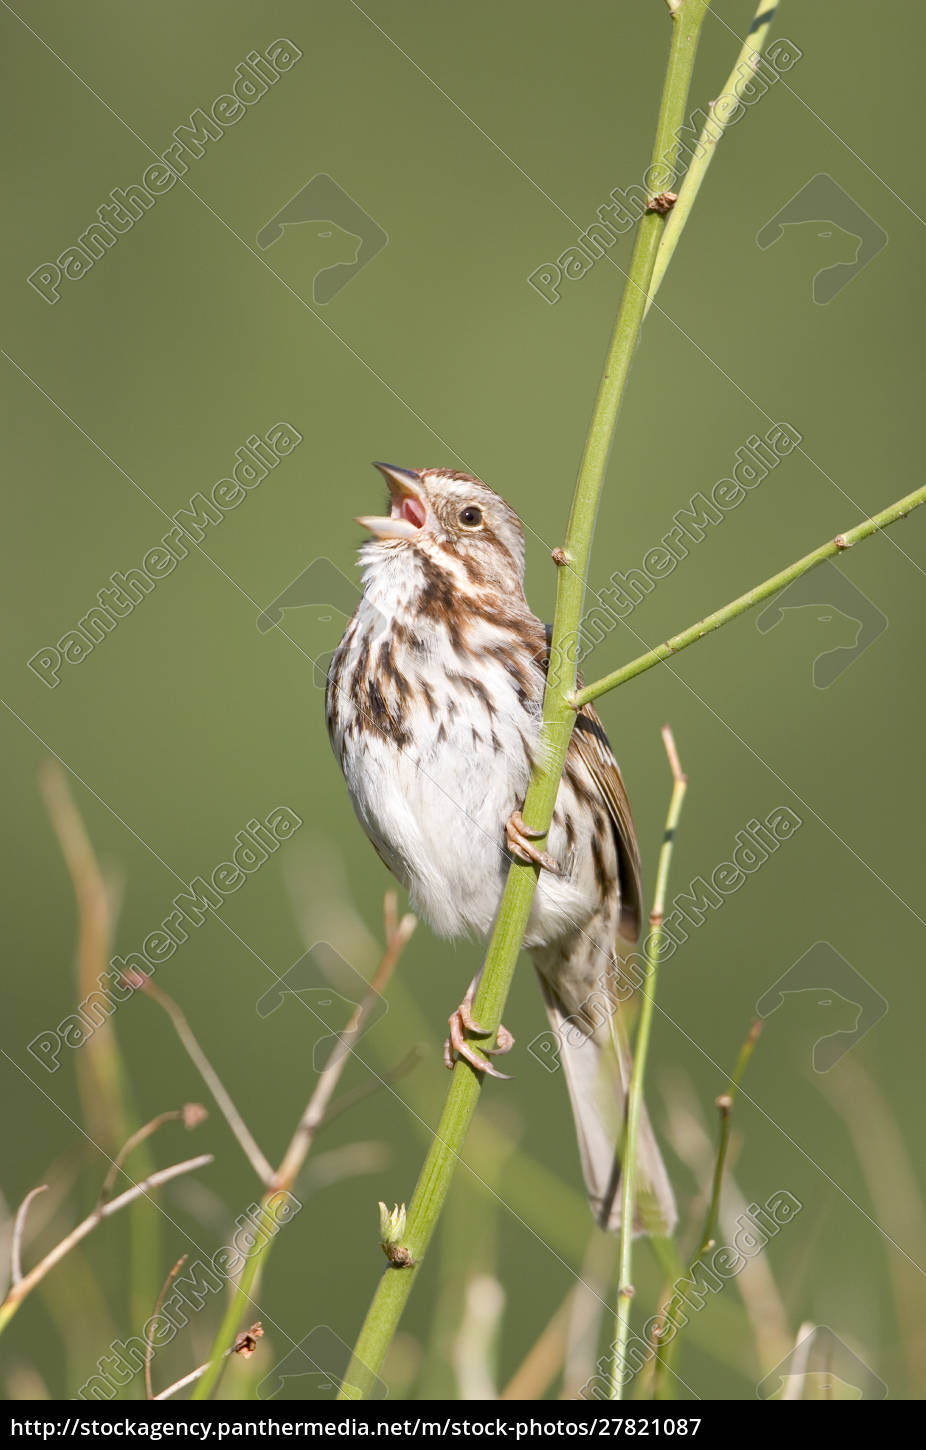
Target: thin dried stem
x=16 y=1271
x=28 y=1282
x=149 y=1324
x=474 y=1348
x=397 y=936
x=675 y=765
x=98 y=1066
x=589 y=1304
x=544 y=1359
x=348 y=1161
x=244 y=1345
x=188 y=1379
x=191 y=1115
x=261 y=1165
x=102 y=1080
x=891 y=1175
x=385 y=1079
x=318 y=1103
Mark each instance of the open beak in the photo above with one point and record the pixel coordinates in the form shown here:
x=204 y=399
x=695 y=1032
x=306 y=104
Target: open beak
x=409 y=512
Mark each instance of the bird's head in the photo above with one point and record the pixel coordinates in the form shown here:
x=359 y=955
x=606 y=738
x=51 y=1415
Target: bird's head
x=454 y=521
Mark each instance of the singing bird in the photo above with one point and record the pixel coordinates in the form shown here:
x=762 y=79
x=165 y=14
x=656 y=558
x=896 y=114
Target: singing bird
x=434 y=709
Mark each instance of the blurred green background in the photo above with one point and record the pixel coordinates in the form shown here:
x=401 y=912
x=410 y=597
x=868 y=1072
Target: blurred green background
x=482 y=140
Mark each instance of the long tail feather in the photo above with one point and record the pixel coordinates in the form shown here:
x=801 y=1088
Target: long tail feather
x=597 y=1064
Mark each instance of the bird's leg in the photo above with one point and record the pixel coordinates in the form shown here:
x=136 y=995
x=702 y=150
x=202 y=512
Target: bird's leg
x=519 y=840
x=462 y=1021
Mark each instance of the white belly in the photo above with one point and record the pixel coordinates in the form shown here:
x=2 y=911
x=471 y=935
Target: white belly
x=437 y=816
x=436 y=804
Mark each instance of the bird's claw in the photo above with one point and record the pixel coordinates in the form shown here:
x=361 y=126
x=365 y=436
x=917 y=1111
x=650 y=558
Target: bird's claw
x=519 y=838
x=457 y=1045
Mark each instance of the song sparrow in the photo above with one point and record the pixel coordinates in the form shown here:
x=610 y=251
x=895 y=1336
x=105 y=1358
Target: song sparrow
x=434 y=705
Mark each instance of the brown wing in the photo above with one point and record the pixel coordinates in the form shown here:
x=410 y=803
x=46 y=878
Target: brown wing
x=590 y=744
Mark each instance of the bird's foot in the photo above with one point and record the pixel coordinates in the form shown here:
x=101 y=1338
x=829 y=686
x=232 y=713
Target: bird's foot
x=457 y=1045
x=519 y=840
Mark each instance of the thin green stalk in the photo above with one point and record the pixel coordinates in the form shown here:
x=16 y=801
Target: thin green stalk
x=668 y=1350
x=237 y=1304
x=558 y=719
x=750 y=599
x=619 y=1371
x=724 y=1105
x=721 y=115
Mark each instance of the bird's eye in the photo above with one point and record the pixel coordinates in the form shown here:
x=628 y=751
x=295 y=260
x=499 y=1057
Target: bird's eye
x=470 y=517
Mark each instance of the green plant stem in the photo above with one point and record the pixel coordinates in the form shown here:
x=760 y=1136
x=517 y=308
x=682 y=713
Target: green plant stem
x=724 y=1105
x=668 y=1350
x=243 y=1296
x=721 y=114
x=558 y=718
x=619 y=1373
x=750 y=599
